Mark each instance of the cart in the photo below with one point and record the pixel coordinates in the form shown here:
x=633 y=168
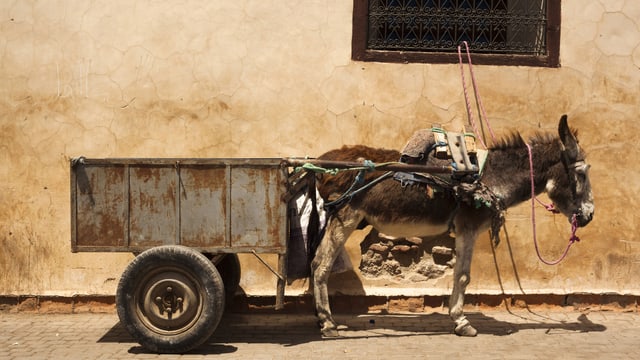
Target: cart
x=185 y=220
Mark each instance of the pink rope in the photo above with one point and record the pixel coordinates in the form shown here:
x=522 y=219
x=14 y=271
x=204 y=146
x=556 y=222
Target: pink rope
x=466 y=100
x=476 y=94
x=550 y=207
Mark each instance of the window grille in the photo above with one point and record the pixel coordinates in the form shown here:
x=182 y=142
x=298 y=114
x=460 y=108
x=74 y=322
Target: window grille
x=519 y=32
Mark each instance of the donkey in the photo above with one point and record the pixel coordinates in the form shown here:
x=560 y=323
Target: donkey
x=559 y=168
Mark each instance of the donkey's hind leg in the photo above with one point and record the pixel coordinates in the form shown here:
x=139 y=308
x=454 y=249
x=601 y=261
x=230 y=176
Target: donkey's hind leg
x=338 y=230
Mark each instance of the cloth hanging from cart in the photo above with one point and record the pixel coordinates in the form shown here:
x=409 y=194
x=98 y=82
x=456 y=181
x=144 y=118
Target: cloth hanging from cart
x=300 y=250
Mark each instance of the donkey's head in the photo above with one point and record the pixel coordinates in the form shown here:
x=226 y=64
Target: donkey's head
x=568 y=186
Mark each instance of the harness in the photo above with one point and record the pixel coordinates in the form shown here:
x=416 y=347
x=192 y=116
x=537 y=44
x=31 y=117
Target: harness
x=436 y=146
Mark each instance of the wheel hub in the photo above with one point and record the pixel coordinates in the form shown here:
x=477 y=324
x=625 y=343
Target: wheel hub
x=170 y=302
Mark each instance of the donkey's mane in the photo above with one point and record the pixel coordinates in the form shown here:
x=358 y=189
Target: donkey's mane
x=510 y=141
x=514 y=140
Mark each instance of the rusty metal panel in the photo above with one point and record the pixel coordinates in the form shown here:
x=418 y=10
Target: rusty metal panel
x=152 y=205
x=100 y=206
x=257 y=212
x=203 y=206
x=214 y=205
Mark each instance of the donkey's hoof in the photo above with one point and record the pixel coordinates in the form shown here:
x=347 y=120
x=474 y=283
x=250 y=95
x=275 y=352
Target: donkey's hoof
x=465 y=330
x=330 y=333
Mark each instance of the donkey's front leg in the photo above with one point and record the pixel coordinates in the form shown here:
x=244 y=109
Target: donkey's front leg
x=465 y=241
x=338 y=230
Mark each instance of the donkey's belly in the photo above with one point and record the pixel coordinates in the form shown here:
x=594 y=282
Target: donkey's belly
x=407 y=227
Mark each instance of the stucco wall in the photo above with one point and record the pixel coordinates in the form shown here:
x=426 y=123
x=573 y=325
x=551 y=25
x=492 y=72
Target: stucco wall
x=253 y=78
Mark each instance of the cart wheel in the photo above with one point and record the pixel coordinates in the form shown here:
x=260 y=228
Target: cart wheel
x=229 y=269
x=170 y=299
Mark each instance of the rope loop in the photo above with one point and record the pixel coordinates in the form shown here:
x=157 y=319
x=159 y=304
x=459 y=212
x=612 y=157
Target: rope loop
x=550 y=207
x=317 y=169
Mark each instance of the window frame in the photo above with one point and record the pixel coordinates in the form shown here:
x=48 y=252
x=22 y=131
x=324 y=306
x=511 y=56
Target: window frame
x=359 y=51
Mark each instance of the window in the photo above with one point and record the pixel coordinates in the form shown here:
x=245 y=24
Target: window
x=499 y=32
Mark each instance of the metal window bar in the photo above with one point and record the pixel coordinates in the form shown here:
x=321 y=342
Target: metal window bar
x=489 y=26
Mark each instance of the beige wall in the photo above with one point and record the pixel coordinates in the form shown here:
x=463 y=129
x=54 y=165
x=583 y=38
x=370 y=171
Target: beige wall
x=253 y=78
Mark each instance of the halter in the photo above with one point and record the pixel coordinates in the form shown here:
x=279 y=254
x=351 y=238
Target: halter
x=549 y=207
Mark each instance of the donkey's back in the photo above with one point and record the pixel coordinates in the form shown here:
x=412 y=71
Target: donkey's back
x=392 y=207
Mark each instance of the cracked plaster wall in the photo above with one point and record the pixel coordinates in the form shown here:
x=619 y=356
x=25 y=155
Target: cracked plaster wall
x=252 y=78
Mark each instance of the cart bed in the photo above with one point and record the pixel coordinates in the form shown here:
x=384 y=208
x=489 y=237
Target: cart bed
x=212 y=205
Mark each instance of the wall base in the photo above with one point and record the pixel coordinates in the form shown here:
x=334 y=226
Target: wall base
x=339 y=303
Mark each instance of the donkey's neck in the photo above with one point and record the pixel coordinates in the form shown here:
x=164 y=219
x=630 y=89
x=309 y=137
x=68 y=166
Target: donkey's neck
x=508 y=172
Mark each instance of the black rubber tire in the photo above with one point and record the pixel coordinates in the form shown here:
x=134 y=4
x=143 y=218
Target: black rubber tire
x=170 y=299
x=229 y=269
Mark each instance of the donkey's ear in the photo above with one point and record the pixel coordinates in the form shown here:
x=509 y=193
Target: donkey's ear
x=566 y=136
x=563 y=129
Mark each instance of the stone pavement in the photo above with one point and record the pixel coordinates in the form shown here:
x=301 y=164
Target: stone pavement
x=504 y=334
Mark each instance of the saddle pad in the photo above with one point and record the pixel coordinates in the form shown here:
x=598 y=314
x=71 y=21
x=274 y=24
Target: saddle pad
x=418 y=143
x=423 y=140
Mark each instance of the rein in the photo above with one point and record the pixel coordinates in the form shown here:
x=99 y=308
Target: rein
x=551 y=208
x=357 y=186
x=355 y=190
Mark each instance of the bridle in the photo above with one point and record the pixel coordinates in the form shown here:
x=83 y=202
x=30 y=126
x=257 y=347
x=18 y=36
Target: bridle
x=551 y=208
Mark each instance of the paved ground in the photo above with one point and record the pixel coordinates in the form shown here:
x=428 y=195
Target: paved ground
x=521 y=334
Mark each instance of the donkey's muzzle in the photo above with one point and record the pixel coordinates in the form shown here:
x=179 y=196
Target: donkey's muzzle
x=583 y=218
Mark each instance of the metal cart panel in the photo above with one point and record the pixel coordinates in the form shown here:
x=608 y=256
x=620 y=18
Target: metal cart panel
x=214 y=205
